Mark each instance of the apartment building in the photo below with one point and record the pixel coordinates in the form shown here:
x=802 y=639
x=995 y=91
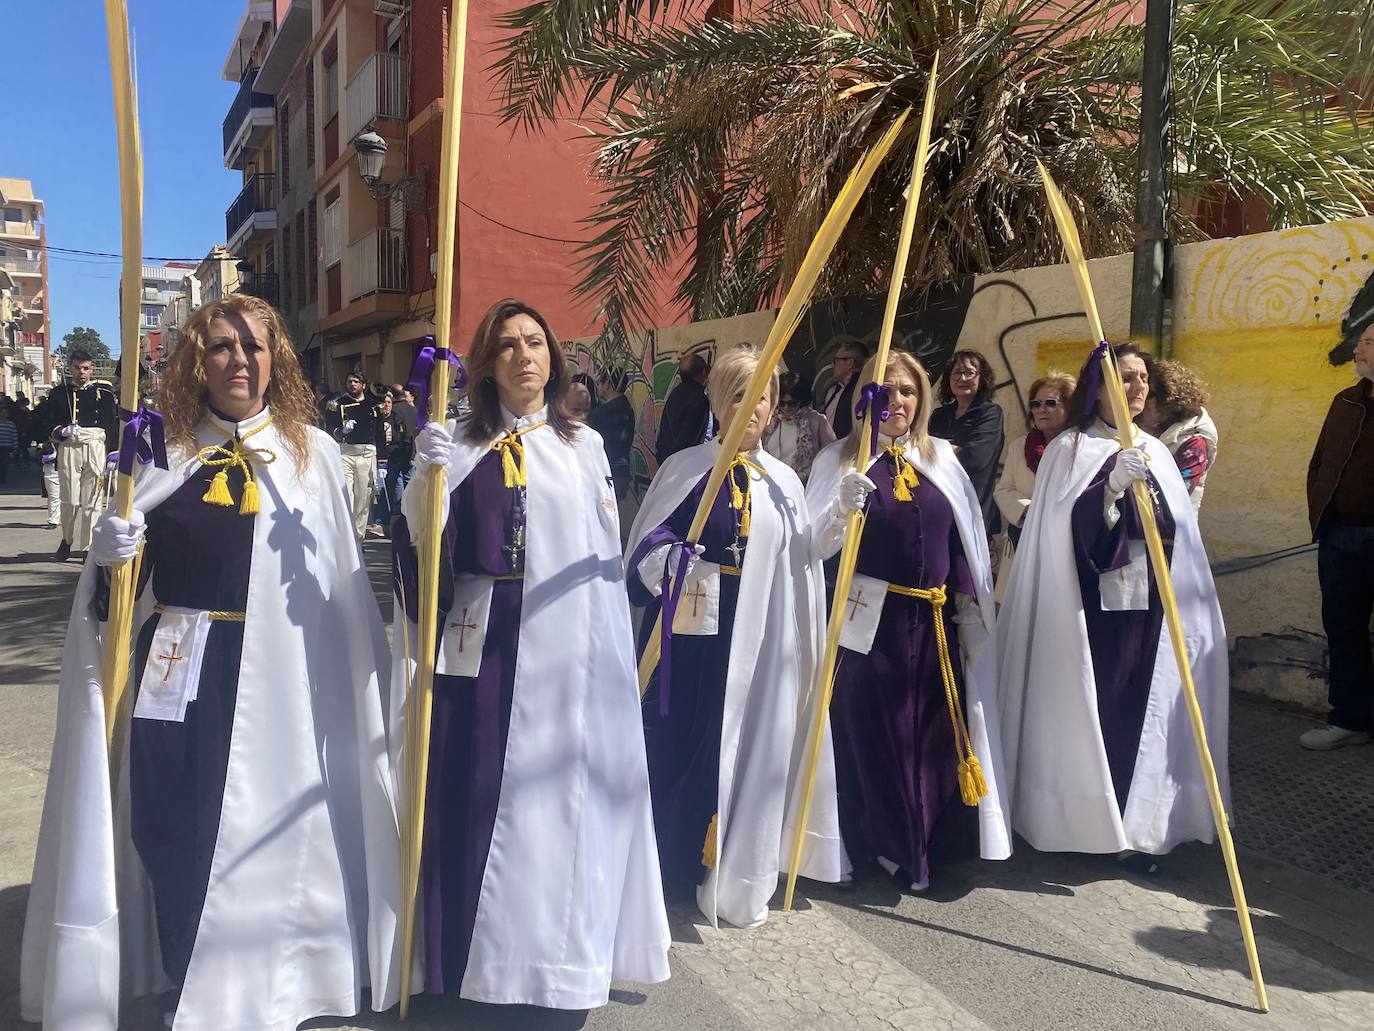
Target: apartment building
x=25 y=364
x=217 y=274
x=162 y=285
x=336 y=126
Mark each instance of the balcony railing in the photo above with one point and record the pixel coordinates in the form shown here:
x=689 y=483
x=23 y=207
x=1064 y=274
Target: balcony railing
x=377 y=263
x=260 y=284
x=243 y=103
x=19 y=228
x=29 y=265
x=377 y=90
x=259 y=193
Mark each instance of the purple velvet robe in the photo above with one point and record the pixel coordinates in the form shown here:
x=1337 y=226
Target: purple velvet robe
x=198 y=556
x=1123 y=644
x=896 y=763
x=684 y=746
x=470 y=719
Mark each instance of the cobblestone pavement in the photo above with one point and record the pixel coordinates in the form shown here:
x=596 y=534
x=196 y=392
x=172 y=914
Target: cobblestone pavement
x=1038 y=942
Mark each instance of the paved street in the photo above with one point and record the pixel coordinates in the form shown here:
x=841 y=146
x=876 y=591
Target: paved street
x=1038 y=942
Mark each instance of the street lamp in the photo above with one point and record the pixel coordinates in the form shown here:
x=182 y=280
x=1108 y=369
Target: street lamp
x=371 y=149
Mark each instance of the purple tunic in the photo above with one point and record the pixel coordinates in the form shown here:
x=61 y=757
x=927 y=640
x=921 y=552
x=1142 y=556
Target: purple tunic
x=896 y=763
x=684 y=746
x=198 y=557
x=1123 y=644
x=470 y=719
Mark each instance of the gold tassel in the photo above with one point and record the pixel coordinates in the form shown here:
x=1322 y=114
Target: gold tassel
x=900 y=490
x=744 y=519
x=249 y=504
x=218 y=494
x=509 y=468
x=736 y=495
x=708 y=850
x=968 y=791
x=976 y=770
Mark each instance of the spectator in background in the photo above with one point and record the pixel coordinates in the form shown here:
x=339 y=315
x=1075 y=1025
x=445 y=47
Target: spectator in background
x=839 y=396
x=1340 y=503
x=9 y=441
x=390 y=440
x=1047 y=415
x=614 y=419
x=22 y=417
x=1175 y=414
x=972 y=421
x=401 y=462
x=686 y=420
x=798 y=433
x=579 y=401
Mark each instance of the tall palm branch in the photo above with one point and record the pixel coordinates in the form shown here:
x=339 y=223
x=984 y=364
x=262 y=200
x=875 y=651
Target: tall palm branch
x=722 y=143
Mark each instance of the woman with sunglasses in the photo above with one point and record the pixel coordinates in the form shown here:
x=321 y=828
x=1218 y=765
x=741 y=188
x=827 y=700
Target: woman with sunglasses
x=798 y=432
x=1048 y=414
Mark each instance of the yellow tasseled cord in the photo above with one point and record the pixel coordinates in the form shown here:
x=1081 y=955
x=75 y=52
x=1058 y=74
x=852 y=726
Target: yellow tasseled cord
x=904 y=478
x=741 y=497
x=512 y=450
x=226 y=458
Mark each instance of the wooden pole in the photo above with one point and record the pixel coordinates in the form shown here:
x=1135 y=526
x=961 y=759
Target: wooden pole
x=121 y=614
x=788 y=318
x=420 y=698
x=854 y=525
x=1116 y=392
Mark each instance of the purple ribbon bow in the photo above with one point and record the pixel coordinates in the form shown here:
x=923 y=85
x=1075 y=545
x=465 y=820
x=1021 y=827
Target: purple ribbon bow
x=425 y=361
x=672 y=594
x=1092 y=375
x=133 y=444
x=873 y=396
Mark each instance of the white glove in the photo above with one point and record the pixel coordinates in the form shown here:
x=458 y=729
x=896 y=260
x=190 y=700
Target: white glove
x=968 y=617
x=115 y=540
x=1130 y=466
x=350 y=425
x=651 y=566
x=433 y=445
x=854 y=490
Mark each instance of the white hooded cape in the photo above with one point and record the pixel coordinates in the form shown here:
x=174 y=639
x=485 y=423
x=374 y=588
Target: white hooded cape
x=769 y=692
x=978 y=691
x=301 y=904
x=571 y=897
x=1057 y=774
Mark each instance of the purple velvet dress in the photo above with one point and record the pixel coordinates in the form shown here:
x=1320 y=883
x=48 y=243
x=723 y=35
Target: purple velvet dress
x=1123 y=644
x=198 y=556
x=684 y=746
x=471 y=715
x=896 y=764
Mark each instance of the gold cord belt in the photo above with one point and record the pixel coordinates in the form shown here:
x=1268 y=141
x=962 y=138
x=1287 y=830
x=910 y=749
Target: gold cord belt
x=972 y=785
x=214 y=614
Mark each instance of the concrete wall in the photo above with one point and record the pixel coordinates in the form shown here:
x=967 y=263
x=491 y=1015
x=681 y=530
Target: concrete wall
x=1255 y=316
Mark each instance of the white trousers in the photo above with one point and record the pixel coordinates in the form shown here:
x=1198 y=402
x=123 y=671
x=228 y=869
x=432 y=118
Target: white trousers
x=80 y=462
x=360 y=482
x=54 y=488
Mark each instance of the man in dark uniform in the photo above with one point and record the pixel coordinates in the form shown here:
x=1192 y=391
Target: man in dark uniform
x=686 y=419
x=83 y=417
x=353 y=420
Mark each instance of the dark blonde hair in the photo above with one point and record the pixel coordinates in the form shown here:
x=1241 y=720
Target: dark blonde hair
x=484 y=424
x=1178 y=391
x=919 y=430
x=183 y=398
x=1063 y=384
x=730 y=377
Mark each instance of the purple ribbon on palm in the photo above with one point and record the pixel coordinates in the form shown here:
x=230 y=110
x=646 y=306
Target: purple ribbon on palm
x=1092 y=375
x=425 y=362
x=134 y=444
x=873 y=397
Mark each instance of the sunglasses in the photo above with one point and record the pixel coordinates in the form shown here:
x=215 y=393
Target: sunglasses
x=1049 y=403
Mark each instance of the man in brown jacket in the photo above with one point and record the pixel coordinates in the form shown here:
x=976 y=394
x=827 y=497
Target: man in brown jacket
x=1340 y=502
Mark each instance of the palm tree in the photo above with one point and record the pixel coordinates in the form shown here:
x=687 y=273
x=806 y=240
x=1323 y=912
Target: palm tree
x=721 y=142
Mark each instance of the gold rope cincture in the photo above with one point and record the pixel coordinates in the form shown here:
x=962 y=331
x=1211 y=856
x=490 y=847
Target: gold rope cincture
x=904 y=478
x=217 y=615
x=741 y=498
x=512 y=450
x=709 y=849
x=972 y=786
x=226 y=458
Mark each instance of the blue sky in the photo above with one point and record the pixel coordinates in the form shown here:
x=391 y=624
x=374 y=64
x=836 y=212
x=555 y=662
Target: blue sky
x=59 y=100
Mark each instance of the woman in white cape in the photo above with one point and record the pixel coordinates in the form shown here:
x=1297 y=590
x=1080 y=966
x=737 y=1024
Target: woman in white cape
x=727 y=716
x=911 y=747
x=248 y=867
x=539 y=880
x=1100 y=754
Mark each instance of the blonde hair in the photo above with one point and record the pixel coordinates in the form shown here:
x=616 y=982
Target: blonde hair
x=730 y=377
x=183 y=399
x=1063 y=384
x=919 y=430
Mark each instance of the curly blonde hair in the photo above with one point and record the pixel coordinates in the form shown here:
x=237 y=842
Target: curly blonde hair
x=919 y=431
x=1063 y=384
x=1177 y=391
x=183 y=399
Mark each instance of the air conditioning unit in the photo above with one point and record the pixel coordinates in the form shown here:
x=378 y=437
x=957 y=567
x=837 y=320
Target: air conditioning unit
x=389 y=8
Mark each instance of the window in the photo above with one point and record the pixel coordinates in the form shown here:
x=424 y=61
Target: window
x=14 y=215
x=331 y=84
x=310 y=115
x=286 y=292
x=284 y=145
x=298 y=266
x=151 y=314
x=312 y=253
x=333 y=233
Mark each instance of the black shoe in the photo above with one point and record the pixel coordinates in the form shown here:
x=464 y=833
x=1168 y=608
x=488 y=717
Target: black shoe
x=64 y=551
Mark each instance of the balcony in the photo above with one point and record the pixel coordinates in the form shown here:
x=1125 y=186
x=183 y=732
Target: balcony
x=377 y=90
x=250 y=118
x=377 y=263
x=28 y=230
x=254 y=211
x=22 y=266
x=260 y=284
